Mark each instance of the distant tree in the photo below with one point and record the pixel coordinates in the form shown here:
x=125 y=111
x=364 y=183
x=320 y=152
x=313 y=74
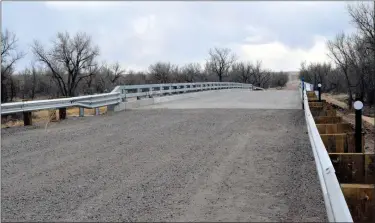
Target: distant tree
x=30 y=82
x=260 y=76
x=279 y=79
x=162 y=72
x=113 y=72
x=242 y=72
x=191 y=72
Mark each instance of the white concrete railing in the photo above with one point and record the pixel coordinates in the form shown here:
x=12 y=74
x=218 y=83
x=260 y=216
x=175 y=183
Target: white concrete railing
x=336 y=206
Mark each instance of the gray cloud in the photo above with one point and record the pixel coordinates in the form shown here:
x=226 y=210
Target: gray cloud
x=139 y=33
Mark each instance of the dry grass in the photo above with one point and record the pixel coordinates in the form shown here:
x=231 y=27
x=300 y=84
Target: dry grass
x=341 y=101
x=11 y=123
x=44 y=116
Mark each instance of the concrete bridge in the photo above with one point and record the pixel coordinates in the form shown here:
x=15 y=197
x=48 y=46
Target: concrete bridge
x=227 y=155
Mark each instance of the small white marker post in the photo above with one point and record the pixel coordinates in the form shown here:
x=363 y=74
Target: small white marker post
x=320 y=92
x=358 y=105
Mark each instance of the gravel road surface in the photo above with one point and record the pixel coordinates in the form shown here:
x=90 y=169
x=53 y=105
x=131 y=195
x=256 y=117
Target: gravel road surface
x=163 y=165
x=238 y=98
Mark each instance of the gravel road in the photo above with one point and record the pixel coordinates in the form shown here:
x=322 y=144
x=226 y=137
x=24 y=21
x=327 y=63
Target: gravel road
x=163 y=165
x=237 y=98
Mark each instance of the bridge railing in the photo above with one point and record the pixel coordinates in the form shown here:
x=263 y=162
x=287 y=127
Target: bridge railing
x=336 y=206
x=150 y=90
x=119 y=94
x=90 y=101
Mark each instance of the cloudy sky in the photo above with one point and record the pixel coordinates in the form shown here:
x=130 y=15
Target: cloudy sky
x=136 y=34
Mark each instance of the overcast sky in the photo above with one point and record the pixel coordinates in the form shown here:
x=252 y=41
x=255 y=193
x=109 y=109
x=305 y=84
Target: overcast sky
x=281 y=34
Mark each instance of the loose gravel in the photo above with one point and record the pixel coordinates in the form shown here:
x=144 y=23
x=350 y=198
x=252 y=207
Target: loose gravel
x=163 y=165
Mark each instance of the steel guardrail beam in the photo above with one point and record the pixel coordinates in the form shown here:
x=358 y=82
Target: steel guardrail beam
x=336 y=206
x=119 y=94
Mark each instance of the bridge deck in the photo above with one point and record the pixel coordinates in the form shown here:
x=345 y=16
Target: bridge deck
x=238 y=98
x=163 y=165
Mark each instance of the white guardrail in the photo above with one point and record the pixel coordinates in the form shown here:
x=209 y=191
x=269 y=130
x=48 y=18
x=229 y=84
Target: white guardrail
x=336 y=206
x=119 y=94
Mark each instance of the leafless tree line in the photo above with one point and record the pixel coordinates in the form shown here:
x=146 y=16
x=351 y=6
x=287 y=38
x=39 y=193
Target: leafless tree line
x=353 y=59
x=70 y=68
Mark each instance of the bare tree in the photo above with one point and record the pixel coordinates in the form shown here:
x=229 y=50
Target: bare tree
x=133 y=77
x=29 y=84
x=339 y=53
x=358 y=55
x=113 y=72
x=70 y=60
x=242 y=72
x=220 y=60
x=259 y=76
x=9 y=56
x=304 y=72
x=90 y=80
x=319 y=71
x=105 y=78
x=162 y=72
x=278 y=79
x=363 y=17
x=191 y=72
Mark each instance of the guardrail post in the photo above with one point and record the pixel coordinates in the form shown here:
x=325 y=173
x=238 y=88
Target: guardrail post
x=62 y=113
x=358 y=105
x=161 y=90
x=123 y=95
x=320 y=92
x=150 y=92
x=27 y=118
x=139 y=91
x=97 y=111
x=81 y=112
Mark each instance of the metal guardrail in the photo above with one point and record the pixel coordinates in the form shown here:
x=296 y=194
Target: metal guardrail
x=129 y=91
x=90 y=101
x=119 y=94
x=336 y=206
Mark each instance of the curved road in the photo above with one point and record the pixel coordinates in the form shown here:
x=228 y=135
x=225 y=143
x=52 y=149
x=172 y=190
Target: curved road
x=232 y=156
